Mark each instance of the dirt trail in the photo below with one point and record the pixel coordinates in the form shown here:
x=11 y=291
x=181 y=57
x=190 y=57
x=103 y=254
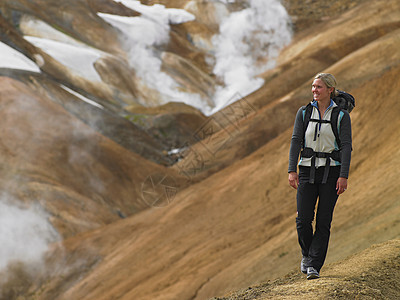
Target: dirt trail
x=371 y=274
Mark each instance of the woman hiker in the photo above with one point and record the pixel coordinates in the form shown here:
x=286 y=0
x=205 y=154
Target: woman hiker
x=323 y=170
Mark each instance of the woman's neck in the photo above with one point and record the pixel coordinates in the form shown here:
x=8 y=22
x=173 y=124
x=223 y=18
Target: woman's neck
x=323 y=105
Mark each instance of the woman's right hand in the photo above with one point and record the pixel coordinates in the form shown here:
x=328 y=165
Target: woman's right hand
x=293 y=180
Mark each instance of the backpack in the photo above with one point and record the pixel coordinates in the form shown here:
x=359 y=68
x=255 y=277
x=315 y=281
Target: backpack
x=344 y=101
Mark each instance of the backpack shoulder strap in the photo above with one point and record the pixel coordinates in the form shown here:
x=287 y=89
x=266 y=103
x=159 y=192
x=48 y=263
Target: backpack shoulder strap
x=334 y=124
x=307 y=111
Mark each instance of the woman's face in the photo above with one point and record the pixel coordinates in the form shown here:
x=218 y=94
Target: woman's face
x=320 y=90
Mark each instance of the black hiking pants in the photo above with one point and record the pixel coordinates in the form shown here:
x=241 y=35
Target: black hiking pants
x=315 y=243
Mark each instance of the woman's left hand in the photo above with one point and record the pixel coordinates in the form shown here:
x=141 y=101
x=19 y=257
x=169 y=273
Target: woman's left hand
x=341 y=185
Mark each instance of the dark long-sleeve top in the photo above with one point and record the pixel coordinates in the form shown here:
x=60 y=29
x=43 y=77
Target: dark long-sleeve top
x=326 y=141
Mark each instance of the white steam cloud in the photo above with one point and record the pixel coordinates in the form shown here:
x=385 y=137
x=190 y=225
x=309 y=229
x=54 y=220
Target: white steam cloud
x=25 y=233
x=248 y=44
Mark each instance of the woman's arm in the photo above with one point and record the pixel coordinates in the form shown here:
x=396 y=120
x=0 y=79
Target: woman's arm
x=346 y=145
x=296 y=142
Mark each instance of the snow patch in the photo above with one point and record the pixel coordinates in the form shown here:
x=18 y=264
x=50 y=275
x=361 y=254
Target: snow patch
x=79 y=59
x=13 y=59
x=31 y=26
x=158 y=12
x=87 y=100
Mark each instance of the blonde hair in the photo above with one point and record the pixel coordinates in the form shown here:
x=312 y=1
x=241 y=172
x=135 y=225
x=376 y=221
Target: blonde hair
x=329 y=80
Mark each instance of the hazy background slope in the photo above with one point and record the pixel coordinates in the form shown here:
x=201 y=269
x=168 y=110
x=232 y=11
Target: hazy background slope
x=230 y=218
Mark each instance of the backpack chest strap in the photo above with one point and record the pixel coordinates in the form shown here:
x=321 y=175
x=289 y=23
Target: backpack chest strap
x=318 y=121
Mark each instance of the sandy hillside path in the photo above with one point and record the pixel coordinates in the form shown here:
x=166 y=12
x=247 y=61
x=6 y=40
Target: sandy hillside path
x=371 y=274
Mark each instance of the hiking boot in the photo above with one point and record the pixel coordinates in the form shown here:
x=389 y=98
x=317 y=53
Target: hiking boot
x=312 y=273
x=304 y=263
